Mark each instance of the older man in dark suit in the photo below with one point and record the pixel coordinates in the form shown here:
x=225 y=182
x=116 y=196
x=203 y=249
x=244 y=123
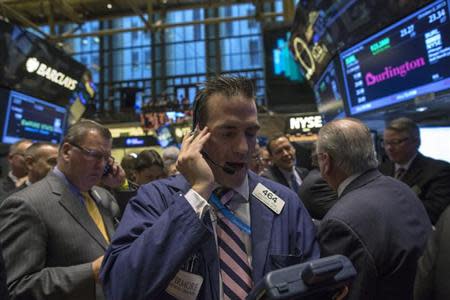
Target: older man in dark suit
x=429 y=178
x=378 y=222
x=55 y=232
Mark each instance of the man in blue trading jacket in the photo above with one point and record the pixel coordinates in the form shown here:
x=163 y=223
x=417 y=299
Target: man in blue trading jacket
x=172 y=234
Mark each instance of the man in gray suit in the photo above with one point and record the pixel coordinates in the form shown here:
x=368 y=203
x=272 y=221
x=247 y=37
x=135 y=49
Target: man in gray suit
x=55 y=232
x=377 y=222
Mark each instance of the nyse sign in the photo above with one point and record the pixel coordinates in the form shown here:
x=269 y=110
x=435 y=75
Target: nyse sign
x=305 y=124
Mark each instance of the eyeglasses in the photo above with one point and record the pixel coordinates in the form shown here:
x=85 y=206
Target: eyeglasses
x=395 y=142
x=94 y=154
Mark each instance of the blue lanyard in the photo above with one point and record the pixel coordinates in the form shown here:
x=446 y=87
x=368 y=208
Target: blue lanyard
x=229 y=215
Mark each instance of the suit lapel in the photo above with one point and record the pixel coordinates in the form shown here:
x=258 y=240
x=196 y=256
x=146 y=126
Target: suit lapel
x=76 y=209
x=261 y=219
x=209 y=250
x=414 y=171
x=280 y=177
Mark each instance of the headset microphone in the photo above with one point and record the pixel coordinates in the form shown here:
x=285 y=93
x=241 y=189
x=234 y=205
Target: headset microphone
x=227 y=169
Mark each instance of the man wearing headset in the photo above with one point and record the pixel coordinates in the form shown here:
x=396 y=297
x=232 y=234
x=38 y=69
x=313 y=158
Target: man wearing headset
x=172 y=242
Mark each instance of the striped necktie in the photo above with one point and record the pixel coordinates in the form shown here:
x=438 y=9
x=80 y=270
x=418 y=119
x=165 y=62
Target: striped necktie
x=400 y=173
x=95 y=215
x=235 y=268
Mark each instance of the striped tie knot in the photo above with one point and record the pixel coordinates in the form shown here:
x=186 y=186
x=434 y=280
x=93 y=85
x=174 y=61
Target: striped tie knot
x=224 y=194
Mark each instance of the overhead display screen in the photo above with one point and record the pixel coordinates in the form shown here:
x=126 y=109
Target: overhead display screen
x=407 y=59
x=34 y=66
x=31 y=118
x=328 y=97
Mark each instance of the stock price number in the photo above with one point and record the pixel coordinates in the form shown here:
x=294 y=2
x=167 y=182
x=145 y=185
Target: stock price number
x=439 y=15
x=407 y=31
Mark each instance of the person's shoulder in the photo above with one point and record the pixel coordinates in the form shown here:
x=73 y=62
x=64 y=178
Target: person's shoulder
x=432 y=163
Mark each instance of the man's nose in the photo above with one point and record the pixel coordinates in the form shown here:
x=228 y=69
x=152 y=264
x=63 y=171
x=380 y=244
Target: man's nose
x=242 y=145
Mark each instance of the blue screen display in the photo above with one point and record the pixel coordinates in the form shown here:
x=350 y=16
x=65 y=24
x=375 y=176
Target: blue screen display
x=328 y=97
x=31 y=118
x=407 y=59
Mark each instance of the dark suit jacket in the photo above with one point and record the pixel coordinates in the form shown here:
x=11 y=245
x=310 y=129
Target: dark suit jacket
x=274 y=173
x=7 y=186
x=160 y=231
x=433 y=270
x=49 y=241
x=382 y=227
x=430 y=180
x=3 y=288
x=317 y=196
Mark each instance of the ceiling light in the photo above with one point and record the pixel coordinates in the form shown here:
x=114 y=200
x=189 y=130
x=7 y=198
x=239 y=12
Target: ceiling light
x=109 y=5
x=421 y=109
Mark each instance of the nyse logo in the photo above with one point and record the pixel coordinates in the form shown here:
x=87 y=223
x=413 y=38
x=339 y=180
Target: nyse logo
x=305 y=124
x=33 y=65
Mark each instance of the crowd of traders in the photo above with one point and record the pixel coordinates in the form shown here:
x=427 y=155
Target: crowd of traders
x=196 y=222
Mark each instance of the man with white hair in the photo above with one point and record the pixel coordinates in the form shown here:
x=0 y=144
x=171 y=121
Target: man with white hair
x=378 y=222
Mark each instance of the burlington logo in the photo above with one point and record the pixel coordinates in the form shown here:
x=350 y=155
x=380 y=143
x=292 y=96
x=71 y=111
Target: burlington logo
x=34 y=65
x=390 y=72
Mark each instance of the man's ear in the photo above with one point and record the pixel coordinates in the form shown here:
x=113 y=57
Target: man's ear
x=327 y=163
x=65 y=151
x=29 y=162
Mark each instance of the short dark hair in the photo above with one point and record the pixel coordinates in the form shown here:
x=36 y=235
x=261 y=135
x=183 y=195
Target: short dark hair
x=147 y=159
x=404 y=124
x=78 y=131
x=274 y=138
x=228 y=86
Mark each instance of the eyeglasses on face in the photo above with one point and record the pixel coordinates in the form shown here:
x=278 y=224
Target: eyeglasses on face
x=94 y=154
x=394 y=142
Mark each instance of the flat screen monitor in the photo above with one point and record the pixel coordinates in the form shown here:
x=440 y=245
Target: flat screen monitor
x=435 y=142
x=165 y=136
x=286 y=85
x=34 y=66
x=31 y=118
x=328 y=96
x=403 y=61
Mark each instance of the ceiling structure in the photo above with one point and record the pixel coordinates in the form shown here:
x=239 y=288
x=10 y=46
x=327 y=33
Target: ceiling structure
x=34 y=13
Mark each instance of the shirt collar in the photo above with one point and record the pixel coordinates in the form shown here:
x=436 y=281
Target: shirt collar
x=345 y=183
x=287 y=174
x=242 y=190
x=407 y=165
x=72 y=187
x=12 y=177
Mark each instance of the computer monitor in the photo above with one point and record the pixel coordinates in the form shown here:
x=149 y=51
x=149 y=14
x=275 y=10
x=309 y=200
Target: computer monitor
x=432 y=136
x=27 y=117
x=328 y=96
x=406 y=60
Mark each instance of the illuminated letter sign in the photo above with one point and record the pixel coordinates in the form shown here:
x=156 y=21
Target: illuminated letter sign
x=305 y=124
x=33 y=65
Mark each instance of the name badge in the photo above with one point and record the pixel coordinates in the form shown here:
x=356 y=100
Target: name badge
x=269 y=198
x=185 y=286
